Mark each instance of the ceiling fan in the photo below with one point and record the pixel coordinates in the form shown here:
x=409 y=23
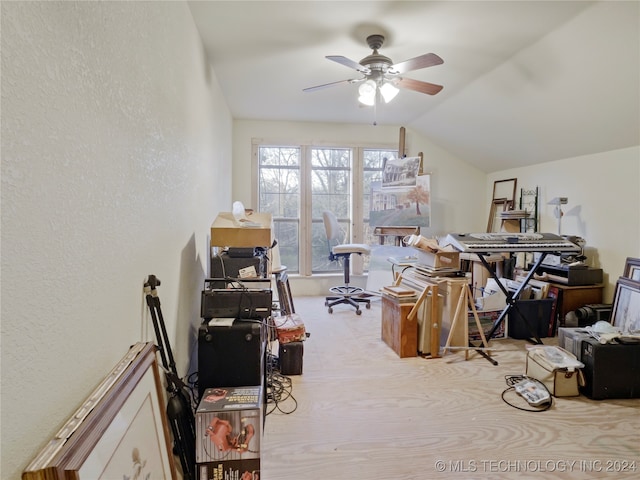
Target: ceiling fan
x=381 y=77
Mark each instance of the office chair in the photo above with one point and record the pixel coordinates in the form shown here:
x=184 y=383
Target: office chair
x=342 y=252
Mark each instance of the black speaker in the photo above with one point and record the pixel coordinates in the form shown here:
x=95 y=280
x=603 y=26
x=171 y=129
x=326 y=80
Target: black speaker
x=290 y=357
x=231 y=356
x=610 y=370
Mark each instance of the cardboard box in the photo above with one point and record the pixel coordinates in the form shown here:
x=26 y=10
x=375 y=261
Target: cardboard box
x=439 y=259
x=228 y=433
x=256 y=232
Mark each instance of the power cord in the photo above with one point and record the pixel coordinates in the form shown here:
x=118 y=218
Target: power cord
x=279 y=388
x=512 y=380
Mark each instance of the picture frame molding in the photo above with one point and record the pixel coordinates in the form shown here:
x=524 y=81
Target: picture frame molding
x=632 y=269
x=633 y=287
x=65 y=454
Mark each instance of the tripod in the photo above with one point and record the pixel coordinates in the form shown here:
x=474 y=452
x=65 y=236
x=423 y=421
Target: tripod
x=179 y=411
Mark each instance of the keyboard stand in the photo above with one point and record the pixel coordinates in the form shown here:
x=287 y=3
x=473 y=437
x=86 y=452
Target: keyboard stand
x=511 y=301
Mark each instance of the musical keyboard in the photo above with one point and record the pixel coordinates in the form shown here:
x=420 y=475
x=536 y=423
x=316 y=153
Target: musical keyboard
x=510 y=242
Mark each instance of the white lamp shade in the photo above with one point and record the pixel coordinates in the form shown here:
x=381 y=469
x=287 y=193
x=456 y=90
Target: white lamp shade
x=388 y=91
x=367 y=92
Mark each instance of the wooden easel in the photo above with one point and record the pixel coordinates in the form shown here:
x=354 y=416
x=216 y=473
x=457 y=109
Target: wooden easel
x=466 y=298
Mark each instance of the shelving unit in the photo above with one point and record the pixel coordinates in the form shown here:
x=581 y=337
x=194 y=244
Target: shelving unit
x=529 y=202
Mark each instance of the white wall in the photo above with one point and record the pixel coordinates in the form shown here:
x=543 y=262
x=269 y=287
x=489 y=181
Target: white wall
x=603 y=198
x=115 y=160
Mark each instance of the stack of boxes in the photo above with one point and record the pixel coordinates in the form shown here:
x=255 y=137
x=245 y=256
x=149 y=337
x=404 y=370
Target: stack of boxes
x=228 y=433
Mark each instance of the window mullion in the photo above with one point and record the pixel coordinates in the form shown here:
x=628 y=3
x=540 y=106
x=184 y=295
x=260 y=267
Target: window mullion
x=305 y=211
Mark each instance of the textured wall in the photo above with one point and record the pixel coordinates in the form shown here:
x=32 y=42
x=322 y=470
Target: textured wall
x=116 y=147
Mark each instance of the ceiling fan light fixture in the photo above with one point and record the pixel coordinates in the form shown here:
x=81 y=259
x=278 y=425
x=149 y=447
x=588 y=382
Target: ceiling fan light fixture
x=368 y=101
x=367 y=89
x=388 y=91
x=367 y=92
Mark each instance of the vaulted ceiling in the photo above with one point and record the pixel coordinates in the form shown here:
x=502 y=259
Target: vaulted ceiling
x=525 y=82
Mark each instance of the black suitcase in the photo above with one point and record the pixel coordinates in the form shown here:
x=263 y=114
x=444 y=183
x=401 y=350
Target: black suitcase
x=610 y=370
x=231 y=356
x=290 y=357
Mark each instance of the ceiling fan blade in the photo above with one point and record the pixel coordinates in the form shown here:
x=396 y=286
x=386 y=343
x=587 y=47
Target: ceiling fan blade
x=347 y=62
x=320 y=87
x=418 y=86
x=423 y=61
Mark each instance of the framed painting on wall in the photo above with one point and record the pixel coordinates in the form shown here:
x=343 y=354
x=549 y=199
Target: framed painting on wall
x=120 y=431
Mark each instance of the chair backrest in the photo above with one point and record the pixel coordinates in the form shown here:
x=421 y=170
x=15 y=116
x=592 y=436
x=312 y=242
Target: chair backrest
x=332 y=227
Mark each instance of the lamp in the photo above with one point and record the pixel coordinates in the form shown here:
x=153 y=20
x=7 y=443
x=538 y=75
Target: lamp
x=388 y=91
x=367 y=93
x=557 y=201
x=369 y=89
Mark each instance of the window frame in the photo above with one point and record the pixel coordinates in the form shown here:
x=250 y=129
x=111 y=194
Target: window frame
x=305 y=220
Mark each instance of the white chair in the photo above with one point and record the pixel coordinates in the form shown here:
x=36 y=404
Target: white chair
x=346 y=293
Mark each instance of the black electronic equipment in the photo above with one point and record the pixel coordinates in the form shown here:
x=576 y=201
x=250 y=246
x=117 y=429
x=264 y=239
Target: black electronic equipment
x=588 y=315
x=242 y=303
x=179 y=409
x=225 y=265
x=571 y=275
x=290 y=358
x=231 y=356
x=610 y=370
x=240 y=252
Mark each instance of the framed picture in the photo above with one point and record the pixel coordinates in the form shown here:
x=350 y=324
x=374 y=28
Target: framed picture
x=506 y=189
x=400 y=172
x=632 y=269
x=625 y=313
x=120 y=431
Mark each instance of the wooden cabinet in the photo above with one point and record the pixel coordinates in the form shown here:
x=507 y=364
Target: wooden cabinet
x=572 y=297
x=400 y=333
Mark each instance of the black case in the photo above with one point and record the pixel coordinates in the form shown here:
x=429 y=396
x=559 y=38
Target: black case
x=290 y=357
x=610 y=370
x=231 y=356
x=536 y=312
x=224 y=265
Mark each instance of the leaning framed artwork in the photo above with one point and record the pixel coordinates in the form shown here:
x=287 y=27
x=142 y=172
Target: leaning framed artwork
x=120 y=431
x=625 y=312
x=632 y=269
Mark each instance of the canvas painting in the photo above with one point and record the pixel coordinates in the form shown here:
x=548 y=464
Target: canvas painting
x=407 y=206
x=400 y=172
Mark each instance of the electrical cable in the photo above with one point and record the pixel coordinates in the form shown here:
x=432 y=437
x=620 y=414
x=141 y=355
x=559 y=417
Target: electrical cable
x=279 y=388
x=512 y=380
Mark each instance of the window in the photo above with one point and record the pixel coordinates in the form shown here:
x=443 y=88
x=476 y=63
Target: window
x=296 y=183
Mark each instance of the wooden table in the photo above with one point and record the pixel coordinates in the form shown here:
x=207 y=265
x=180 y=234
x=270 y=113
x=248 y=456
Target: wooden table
x=398 y=233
